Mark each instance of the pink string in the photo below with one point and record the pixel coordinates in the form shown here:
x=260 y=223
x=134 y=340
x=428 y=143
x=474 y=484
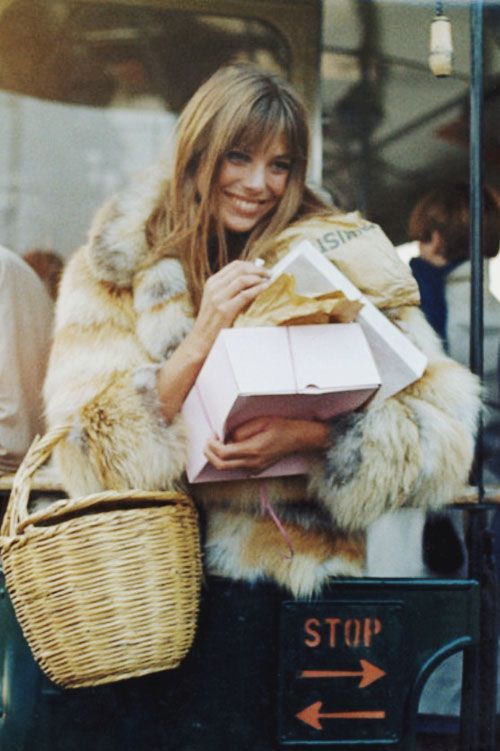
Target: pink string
x=266 y=508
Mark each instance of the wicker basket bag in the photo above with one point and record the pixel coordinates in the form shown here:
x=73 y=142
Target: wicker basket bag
x=105 y=587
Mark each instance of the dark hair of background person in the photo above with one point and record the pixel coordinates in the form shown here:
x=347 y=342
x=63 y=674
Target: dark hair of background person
x=445 y=209
x=48 y=265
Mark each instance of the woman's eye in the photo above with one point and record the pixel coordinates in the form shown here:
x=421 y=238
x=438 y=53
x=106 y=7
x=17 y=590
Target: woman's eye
x=281 y=165
x=237 y=157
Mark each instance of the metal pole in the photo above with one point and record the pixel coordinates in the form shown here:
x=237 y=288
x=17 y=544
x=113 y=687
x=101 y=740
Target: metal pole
x=476 y=186
x=480 y=665
x=471 y=708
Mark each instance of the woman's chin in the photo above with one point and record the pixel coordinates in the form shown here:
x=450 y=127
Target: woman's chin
x=239 y=225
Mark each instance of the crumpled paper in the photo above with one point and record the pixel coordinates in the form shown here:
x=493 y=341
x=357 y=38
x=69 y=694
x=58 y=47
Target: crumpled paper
x=280 y=305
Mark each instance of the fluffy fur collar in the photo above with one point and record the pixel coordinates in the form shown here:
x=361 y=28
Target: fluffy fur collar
x=117 y=239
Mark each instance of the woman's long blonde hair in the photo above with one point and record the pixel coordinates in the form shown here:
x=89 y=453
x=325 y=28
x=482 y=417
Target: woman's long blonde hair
x=239 y=106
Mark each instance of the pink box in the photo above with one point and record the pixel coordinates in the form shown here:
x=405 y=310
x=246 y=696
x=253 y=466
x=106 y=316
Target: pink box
x=302 y=372
x=398 y=361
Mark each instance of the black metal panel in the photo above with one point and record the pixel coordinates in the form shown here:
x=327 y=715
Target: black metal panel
x=343 y=671
x=400 y=627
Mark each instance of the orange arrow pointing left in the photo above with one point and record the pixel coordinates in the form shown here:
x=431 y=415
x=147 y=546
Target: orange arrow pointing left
x=312 y=715
x=369 y=673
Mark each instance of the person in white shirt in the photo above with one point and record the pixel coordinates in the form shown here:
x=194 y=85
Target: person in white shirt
x=440 y=223
x=26 y=312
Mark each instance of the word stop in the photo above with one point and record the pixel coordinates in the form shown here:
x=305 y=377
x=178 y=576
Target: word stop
x=335 y=632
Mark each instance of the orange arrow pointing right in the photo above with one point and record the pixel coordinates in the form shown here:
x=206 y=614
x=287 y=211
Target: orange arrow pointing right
x=312 y=715
x=369 y=673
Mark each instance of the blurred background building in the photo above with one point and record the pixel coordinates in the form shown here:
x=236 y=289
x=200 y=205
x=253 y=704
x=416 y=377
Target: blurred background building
x=90 y=92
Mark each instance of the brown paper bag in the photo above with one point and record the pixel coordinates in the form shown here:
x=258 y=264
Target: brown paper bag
x=359 y=249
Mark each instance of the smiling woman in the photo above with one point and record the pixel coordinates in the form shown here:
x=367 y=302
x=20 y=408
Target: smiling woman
x=170 y=262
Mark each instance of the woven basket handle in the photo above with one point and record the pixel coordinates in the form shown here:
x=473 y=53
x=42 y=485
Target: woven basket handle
x=16 y=517
x=37 y=454
x=106 y=497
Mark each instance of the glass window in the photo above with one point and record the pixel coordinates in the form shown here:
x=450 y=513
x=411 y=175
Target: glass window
x=89 y=95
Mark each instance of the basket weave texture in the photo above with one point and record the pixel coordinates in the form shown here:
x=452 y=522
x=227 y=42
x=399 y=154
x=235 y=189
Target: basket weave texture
x=105 y=587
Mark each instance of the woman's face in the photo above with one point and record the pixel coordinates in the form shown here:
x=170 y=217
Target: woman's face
x=251 y=184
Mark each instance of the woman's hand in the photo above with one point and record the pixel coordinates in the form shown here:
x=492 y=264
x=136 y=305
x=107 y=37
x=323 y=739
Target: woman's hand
x=261 y=442
x=225 y=295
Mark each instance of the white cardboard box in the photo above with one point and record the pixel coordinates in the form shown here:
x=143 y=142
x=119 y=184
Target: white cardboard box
x=398 y=361
x=303 y=372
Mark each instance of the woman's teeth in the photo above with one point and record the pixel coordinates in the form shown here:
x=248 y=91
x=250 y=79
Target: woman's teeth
x=245 y=205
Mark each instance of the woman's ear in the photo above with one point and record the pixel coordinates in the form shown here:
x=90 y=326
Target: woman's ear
x=432 y=250
x=437 y=242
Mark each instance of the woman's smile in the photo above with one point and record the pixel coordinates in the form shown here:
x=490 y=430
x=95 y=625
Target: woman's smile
x=244 y=205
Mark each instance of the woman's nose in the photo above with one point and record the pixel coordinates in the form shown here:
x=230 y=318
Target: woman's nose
x=255 y=177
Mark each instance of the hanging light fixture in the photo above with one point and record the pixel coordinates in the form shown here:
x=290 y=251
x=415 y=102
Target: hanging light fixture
x=441 y=44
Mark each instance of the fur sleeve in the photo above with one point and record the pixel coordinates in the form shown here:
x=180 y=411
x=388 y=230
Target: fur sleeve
x=414 y=449
x=102 y=382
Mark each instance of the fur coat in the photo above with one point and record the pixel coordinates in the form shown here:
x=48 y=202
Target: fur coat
x=117 y=319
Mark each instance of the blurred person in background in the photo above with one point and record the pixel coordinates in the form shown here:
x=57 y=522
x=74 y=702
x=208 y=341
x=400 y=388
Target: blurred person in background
x=48 y=265
x=440 y=223
x=26 y=315
x=440 y=226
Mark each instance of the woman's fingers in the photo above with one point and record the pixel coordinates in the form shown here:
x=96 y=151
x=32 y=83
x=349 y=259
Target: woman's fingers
x=242 y=300
x=227 y=451
x=227 y=303
x=222 y=461
x=234 y=286
x=261 y=442
x=240 y=285
x=237 y=268
x=226 y=294
x=249 y=429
